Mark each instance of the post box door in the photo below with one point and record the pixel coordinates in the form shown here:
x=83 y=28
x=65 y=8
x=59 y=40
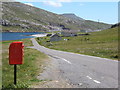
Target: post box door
x=16 y=53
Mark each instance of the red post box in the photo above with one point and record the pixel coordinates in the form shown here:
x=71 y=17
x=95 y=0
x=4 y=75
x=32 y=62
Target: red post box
x=16 y=53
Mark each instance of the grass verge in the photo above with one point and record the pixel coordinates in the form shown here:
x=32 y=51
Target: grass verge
x=26 y=73
x=101 y=44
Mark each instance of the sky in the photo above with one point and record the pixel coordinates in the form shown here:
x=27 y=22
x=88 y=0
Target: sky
x=106 y=12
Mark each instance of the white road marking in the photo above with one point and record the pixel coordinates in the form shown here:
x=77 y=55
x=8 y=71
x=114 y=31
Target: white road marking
x=89 y=77
x=93 y=80
x=64 y=60
x=96 y=81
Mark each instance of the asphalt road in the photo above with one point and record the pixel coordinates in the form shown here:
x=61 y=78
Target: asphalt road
x=84 y=71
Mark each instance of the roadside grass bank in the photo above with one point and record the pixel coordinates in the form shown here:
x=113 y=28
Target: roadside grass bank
x=0 y=65
x=101 y=44
x=27 y=73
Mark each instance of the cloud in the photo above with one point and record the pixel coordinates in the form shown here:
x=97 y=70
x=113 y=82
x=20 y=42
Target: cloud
x=30 y=4
x=53 y=3
x=81 y=4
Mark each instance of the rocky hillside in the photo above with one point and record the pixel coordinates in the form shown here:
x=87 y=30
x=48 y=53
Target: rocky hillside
x=73 y=16
x=19 y=17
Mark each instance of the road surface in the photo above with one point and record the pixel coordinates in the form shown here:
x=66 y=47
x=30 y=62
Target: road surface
x=84 y=71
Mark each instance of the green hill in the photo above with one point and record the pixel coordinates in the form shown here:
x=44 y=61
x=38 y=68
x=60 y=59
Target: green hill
x=19 y=17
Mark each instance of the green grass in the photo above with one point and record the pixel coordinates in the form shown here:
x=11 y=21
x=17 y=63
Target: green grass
x=26 y=73
x=102 y=44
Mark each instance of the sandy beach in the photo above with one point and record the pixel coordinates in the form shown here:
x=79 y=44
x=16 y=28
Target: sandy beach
x=39 y=35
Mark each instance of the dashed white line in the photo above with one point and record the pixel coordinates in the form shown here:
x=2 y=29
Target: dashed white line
x=89 y=77
x=64 y=60
x=96 y=81
x=93 y=80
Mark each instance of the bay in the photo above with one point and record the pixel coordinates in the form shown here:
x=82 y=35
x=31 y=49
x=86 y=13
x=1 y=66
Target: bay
x=5 y=36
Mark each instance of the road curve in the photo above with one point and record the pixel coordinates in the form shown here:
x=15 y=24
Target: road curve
x=84 y=71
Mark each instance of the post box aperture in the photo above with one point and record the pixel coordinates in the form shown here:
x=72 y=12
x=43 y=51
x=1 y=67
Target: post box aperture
x=16 y=53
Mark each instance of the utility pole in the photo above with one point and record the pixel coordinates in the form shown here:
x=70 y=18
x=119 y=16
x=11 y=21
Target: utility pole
x=98 y=23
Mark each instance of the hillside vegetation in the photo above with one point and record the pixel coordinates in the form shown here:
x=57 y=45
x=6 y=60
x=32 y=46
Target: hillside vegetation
x=102 y=44
x=19 y=17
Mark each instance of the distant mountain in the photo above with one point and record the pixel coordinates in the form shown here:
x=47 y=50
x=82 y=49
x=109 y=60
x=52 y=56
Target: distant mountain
x=19 y=17
x=72 y=16
x=87 y=25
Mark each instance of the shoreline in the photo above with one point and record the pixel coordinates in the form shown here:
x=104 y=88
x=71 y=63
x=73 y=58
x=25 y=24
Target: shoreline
x=39 y=35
